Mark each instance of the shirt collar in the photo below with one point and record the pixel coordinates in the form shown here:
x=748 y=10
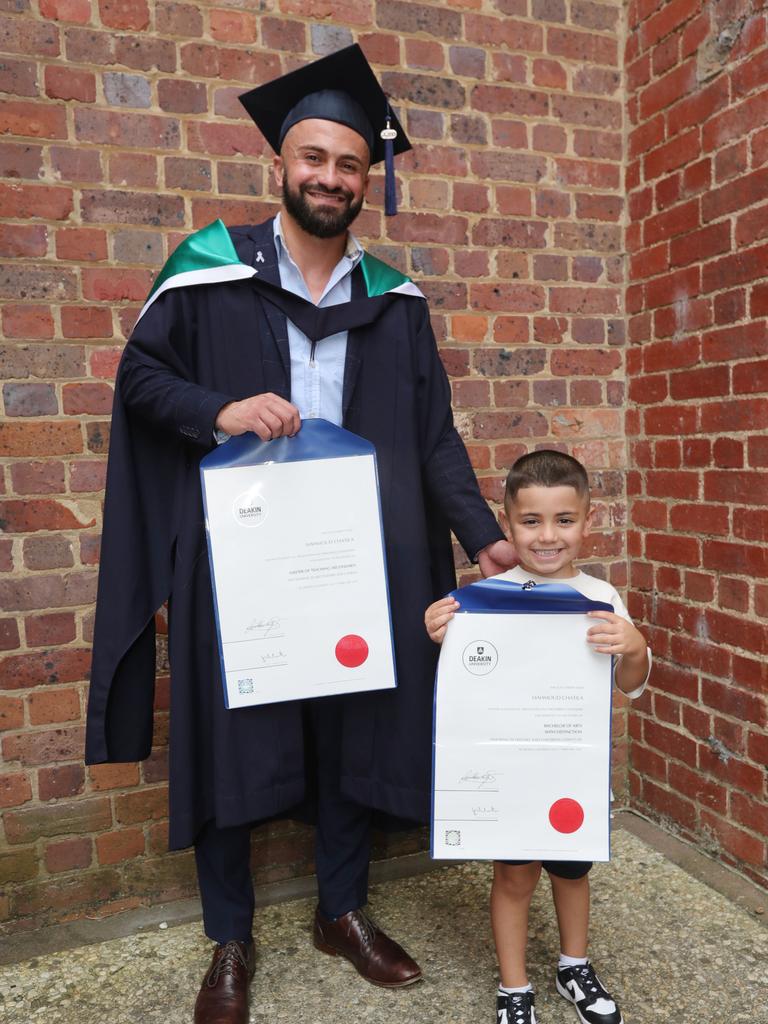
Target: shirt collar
x=353 y=251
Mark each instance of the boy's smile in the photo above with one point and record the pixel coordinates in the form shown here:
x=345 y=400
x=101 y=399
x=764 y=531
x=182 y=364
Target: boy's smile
x=547 y=525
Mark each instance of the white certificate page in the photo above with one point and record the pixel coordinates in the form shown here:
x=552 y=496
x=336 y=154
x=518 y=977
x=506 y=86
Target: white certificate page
x=522 y=740
x=299 y=579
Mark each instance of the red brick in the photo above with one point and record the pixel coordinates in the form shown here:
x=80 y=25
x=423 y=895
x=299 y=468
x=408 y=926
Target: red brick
x=44 y=747
x=27 y=322
x=28 y=36
x=54 y=706
x=23 y=240
x=49 y=667
x=124 y=14
x=669 y=805
x=586 y=47
x=38 y=514
x=86 y=322
x=68 y=855
x=76 y=164
x=144 y=805
x=233 y=26
x=135 y=170
x=179 y=19
x=700 y=518
x=48 y=630
x=61 y=781
x=738 y=558
x=113 y=776
x=114 y=285
x=690 y=784
x=114 y=847
x=19 y=77
x=734 y=841
x=751 y=524
x=15 y=789
x=21 y=160
x=36 y=120
x=66 y=84
x=81 y=244
x=29 y=201
x=77 y=11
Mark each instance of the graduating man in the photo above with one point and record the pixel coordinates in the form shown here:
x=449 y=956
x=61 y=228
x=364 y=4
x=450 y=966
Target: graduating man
x=255 y=329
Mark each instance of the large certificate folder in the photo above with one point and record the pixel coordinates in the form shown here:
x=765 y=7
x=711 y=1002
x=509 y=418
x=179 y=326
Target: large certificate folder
x=522 y=728
x=298 y=566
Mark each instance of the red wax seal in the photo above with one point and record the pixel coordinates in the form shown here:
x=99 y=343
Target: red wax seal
x=566 y=815
x=351 y=651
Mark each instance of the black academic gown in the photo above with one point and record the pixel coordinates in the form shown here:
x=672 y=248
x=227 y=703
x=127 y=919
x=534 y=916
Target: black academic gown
x=194 y=350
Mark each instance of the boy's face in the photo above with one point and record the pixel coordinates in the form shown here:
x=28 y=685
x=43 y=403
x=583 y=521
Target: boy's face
x=547 y=526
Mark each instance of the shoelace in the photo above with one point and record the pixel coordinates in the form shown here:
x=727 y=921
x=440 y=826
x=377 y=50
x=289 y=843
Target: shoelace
x=231 y=956
x=590 y=980
x=519 y=1005
x=367 y=927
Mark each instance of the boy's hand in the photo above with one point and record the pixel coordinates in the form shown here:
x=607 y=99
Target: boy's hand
x=437 y=617
x=615 y=635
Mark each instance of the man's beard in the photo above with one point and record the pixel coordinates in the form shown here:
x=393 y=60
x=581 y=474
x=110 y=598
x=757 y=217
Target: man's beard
x=320 y=221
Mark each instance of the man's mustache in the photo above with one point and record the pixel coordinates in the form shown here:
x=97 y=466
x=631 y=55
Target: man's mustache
x=327 y=191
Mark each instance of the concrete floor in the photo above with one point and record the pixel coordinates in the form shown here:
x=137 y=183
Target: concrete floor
x=670 y=948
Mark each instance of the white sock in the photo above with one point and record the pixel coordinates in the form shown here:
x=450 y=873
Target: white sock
x=571 y=961
x=504 y=991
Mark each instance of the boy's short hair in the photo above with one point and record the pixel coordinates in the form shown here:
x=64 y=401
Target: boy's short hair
x=546 y=468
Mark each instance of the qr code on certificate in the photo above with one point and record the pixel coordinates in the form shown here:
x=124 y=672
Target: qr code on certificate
x=245 y=685
x=452 y=837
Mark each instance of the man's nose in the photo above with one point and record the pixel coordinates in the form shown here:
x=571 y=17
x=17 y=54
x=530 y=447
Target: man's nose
x=328 y=175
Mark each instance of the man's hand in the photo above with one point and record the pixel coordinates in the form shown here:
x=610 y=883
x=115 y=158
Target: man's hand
x=437 y=617
x=267 y=415
x=496 y=558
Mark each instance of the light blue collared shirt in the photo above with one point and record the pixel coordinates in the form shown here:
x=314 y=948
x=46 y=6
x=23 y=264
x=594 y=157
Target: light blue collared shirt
x=317 y=371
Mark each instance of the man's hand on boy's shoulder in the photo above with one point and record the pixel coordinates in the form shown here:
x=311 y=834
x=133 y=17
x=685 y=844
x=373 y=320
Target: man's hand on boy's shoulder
x=437 y=617
x=496 y=558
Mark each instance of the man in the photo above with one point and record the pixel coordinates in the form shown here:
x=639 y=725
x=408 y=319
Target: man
x=293 y=321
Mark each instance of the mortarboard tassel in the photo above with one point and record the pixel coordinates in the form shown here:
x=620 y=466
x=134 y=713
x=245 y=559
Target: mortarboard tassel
x=390 y=185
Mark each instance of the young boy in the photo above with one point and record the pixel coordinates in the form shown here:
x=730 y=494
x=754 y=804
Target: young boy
x=547 y=515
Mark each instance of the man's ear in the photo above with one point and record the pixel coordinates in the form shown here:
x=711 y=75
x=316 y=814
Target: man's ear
x=278 y=170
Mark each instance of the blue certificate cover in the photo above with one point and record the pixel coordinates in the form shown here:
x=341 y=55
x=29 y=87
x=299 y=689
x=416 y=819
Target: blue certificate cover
x=522 y=728
x=298 y=567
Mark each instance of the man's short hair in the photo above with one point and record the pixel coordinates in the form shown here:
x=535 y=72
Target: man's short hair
x=546 y=468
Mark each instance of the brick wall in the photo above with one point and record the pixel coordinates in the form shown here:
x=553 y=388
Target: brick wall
x=697 y=76
x=122 y=132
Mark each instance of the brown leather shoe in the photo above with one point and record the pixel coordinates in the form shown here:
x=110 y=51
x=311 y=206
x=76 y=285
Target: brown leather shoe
x=378 y=958
x=223 y=995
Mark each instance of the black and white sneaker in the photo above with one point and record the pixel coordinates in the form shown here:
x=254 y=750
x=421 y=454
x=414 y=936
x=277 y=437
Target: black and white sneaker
x=581 y=986
x=515 y=1008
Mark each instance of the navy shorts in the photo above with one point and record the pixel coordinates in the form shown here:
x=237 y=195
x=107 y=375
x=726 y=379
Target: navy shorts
x=558 y=868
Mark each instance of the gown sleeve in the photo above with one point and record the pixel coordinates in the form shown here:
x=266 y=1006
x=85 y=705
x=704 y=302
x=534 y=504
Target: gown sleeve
x=159 y=412
x=447 y=471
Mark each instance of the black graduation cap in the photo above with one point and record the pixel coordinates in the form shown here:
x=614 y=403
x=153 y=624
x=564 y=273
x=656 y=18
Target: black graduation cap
x=340 y=87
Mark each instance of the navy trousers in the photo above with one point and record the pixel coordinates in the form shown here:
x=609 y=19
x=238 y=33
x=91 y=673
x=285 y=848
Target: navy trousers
x=342 y=844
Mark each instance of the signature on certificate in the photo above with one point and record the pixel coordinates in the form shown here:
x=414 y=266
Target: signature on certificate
x=274 y=658
x=265 y=629
x=480 y=779
x=485 y=812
